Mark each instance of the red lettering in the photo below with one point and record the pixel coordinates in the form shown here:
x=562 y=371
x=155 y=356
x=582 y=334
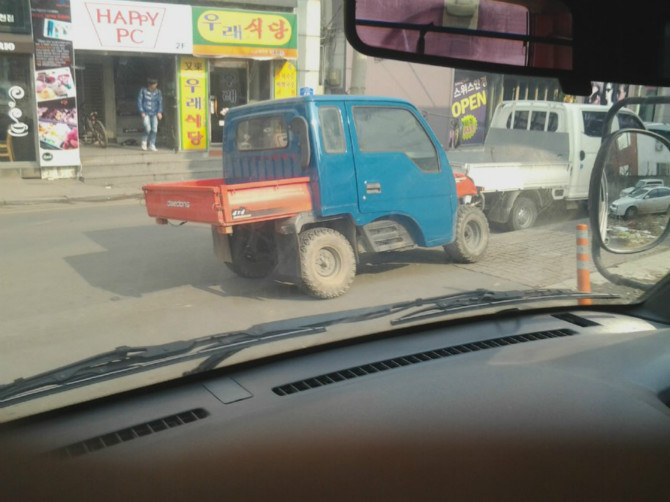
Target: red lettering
x=121 y=33
x=153 y=18
x=135 y=36
x=100 y=15
x=136 y=33
x=133 y=15
x=119 y=17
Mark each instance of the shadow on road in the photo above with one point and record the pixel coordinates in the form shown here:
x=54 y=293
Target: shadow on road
x=136 y=261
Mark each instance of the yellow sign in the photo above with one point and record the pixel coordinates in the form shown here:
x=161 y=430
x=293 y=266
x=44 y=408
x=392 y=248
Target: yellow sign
x=262 y=35
x=285 y=81
x=244 y=28
x=193 y=103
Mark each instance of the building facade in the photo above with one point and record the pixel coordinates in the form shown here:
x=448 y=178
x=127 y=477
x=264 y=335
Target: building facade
x=71 y=58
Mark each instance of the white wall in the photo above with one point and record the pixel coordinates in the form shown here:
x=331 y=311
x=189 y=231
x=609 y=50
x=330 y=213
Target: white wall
x=309 y=44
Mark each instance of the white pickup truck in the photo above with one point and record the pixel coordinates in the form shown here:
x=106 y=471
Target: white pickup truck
x=536 y=153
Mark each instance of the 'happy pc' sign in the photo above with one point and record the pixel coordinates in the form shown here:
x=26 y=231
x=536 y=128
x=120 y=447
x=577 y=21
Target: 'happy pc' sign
x=132 y=26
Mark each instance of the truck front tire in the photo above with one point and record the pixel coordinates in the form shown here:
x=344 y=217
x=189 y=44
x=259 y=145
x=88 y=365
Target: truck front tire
x=327 y=263
x=471 y=235
x=523 y=214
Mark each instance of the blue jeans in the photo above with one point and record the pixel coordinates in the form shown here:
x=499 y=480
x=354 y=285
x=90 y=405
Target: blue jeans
x=150 y=128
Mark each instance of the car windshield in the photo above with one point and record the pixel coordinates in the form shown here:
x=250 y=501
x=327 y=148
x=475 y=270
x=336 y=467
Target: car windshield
x=639 y=193
x=254 y=179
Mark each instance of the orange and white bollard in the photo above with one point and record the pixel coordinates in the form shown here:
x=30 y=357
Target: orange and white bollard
x=583 y=274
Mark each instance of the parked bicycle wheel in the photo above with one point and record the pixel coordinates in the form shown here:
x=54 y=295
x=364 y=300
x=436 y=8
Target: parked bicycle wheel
x=99 y=134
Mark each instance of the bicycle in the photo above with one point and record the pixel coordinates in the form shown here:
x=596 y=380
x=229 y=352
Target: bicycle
x=94 y=131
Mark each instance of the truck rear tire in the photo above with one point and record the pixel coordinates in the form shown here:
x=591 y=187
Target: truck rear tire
x=471 y=235
x=253 y=253
x=327 y=263
x=523 y=214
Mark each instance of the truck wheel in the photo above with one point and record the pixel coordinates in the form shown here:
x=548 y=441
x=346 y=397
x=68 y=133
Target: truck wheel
x=327 y=263
x=253 y=253
x=471 y=236
x=523 y=214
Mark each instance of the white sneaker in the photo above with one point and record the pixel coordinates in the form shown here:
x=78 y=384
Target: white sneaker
x=152 y=148
x=144 y=145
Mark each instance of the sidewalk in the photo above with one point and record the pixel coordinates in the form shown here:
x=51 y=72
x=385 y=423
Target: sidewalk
x=16 y=191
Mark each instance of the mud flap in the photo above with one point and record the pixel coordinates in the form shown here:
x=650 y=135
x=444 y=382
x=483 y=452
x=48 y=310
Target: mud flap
x=288 y=265
x=221 y=244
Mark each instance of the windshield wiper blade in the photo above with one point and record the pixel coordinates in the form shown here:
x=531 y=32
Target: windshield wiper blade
x=480 y=298
x=216 y=348
x=128 y=360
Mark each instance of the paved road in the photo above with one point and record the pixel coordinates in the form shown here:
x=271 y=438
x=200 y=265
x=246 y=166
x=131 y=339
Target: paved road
x=85 y=278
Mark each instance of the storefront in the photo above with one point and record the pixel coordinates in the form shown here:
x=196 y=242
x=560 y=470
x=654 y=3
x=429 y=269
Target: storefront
x=205 y=59
x=250 y=56
x=18 y=131
x=118 y=46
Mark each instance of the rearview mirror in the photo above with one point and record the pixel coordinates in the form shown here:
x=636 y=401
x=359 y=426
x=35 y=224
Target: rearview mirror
x=633 y=188
x=506 y=33
x=575 y=41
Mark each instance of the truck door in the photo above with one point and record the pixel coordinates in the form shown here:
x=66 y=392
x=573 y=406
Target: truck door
x=399 y=170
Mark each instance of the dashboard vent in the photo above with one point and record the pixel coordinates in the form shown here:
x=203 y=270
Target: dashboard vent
x=575 y=319
x=419 y=357
x=130 y=433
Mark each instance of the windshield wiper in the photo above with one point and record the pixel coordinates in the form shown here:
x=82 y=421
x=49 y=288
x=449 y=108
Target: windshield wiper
x=480 y=298
x=128 y=360
x=214 y=349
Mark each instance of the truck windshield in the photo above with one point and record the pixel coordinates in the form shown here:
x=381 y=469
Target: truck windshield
x=270 y=175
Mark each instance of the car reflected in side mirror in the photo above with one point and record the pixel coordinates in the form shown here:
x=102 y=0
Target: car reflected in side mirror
x=638 y=220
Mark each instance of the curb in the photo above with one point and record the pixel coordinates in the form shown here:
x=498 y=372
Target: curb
x=64 y=199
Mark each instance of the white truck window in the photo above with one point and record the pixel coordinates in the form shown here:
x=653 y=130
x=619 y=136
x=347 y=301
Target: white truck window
x=538 y=121
x=521 y=119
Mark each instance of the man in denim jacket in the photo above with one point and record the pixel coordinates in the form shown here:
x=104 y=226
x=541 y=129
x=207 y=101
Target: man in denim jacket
x=150 y=106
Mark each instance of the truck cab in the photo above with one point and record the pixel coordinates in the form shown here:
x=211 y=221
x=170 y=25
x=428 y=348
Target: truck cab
x=366 y=158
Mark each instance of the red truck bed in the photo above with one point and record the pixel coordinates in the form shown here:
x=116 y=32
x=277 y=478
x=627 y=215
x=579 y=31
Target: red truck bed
x=213 y=201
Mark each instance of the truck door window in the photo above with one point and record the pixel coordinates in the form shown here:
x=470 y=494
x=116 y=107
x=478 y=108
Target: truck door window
x=263 y=133
x=593 y=123
x=627 y=121
x=538 y=120
x=383 y=129
x=521 y=119
x=332 y=130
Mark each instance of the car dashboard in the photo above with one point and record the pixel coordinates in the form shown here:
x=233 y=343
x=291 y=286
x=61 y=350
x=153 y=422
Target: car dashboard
x=569 y=403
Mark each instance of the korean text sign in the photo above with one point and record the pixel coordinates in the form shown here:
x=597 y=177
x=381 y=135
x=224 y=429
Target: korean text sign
x=193 y=103
x=244 y=33
x=285 y=80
